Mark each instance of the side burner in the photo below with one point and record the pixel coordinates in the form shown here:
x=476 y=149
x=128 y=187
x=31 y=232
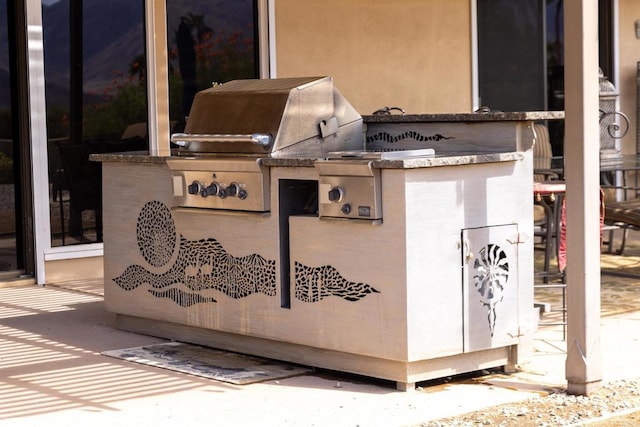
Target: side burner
x=349 y=189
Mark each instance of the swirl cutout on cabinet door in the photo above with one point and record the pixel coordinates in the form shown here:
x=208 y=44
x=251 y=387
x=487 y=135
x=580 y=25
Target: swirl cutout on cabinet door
x=492 y=269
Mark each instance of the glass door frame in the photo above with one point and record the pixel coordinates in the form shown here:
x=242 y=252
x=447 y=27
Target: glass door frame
x=21 y=135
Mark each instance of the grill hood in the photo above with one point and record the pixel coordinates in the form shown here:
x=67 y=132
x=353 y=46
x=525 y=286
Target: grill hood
x=288 y=117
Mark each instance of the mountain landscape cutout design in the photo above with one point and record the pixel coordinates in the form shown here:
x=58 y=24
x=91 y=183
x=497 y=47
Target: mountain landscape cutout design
x=194 y=269
x=200 y=266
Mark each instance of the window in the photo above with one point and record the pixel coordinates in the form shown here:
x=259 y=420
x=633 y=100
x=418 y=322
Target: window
x=10 y=229
x=96 y=99
x=521 y=56
x=511 y=65
x=95 y=92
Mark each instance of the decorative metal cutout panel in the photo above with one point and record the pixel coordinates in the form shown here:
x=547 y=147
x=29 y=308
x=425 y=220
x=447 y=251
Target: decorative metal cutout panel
x=490 y=287
x=411 y=135
x=313 y=284
x=491 y=275
x=200 y=265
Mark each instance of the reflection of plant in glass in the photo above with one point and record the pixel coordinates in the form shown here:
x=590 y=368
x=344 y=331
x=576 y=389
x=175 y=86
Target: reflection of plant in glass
x=5 y=124
x=6 y=169
x=225 y=57
x=204 y=56
x=124 y=103
x=57 y=121
x=6 y=148
x=57 y=130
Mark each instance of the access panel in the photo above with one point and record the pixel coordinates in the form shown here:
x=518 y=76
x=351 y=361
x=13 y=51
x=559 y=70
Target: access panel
x=490 y=287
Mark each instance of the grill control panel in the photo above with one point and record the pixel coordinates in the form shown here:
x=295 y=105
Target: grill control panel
x=349 y=190
x=207 y=184
x=349 y=197
x=216 y=189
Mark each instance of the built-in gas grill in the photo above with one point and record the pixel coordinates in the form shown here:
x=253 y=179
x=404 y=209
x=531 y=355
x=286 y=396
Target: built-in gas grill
x=285 y=229
x=232 y=127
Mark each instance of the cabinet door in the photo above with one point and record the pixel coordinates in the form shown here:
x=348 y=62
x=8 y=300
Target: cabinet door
x=490 y=287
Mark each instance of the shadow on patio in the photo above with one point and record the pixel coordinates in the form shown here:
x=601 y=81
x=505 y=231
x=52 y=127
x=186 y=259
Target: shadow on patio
x=50 y=363
x=52 y=370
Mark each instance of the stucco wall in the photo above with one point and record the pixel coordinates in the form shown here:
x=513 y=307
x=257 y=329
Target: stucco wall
x=417 y=56
x=629 y=12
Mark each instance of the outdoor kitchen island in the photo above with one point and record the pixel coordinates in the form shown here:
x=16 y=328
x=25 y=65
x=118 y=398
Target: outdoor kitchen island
x=401 y=266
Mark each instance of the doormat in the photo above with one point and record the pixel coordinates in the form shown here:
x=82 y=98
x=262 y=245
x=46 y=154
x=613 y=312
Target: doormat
x=209 y=363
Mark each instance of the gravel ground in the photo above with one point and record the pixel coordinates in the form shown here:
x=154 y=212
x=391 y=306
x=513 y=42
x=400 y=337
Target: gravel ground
x=613 y=404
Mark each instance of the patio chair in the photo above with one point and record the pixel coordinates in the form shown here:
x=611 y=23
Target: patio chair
x=625 y=214
x=562 y=262
x=545 y=210
x=543 y=155
x=84 y=178
x=547 y=221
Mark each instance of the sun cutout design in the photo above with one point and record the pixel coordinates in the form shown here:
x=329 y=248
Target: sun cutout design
x=490 y=280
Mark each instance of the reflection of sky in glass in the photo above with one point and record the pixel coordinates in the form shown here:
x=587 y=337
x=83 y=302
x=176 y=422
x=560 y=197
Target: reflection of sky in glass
x=4 y=57
x=555 y=32
x=554 y=20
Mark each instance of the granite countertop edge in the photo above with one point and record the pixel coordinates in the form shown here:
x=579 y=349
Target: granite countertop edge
x=493 y=116
x=452 y=160
x=411 y=163
x=408 y=163
x=128 y=157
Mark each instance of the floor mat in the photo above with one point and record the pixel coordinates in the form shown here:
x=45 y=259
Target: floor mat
x=208 y=362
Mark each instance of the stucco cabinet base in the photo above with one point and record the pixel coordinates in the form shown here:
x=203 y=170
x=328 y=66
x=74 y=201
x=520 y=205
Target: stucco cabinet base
x=441 y=284
x=405 y=374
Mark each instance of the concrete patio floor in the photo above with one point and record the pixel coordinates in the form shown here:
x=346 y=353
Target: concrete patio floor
x=52 y=371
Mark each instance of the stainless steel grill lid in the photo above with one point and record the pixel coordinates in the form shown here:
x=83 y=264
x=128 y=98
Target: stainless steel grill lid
x=289 y=117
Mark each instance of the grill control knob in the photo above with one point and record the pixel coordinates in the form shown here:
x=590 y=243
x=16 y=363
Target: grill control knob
x=232 y=189
x=336 y=194
x=212 y=189
x=194 y=187
x=346 y=209
x=242 y=194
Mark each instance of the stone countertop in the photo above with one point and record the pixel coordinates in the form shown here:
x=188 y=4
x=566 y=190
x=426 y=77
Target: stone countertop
x=494 y=116
x=127 y=157
x=447 y=160
x=408 y=163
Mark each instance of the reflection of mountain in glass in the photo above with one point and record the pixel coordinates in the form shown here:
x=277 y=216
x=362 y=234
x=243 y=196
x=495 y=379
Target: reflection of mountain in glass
x=4 y=58
x=208 y=45
x=113 y=37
